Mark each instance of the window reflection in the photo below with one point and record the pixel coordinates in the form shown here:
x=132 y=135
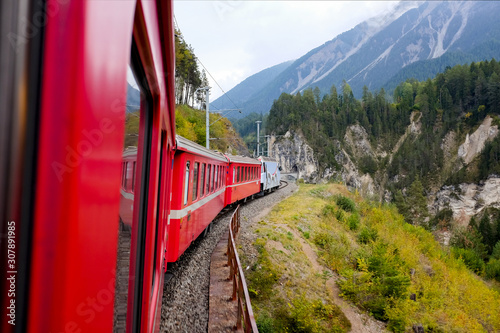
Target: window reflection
x=128 y=196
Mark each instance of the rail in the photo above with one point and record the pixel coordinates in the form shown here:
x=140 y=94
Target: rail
x=240 y=290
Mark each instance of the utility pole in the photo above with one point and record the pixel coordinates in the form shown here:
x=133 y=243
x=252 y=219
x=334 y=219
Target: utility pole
x=207 y=90
x=268 y=139
x=258 y=135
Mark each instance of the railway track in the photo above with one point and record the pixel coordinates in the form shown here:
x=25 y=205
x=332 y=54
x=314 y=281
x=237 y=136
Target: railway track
x=281 y=184
x=186 y=294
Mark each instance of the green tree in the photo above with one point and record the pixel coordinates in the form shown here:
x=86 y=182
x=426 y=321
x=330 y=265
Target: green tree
x=417 y=203
x=486 y=232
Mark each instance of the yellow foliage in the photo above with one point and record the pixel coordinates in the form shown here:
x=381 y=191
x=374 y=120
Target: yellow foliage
x=449 y=297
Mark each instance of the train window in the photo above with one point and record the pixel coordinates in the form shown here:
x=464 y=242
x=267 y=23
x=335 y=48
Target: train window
x=186 y=184
x=234 y=175
x=216 y=177
x=202 y=180
x=238 y=174
x=126 y=176
x=123 y=175
x=212 y=179
x=133 y=214
x=195 y=180
x=133 y=176
x=221 y=176
x=209 y=169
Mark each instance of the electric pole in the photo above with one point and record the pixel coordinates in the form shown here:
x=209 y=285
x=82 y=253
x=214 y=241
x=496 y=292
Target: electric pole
x=258 y=135
x=207 y=91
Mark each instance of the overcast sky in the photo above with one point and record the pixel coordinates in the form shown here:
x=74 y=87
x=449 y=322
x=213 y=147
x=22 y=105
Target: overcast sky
x=236 y=39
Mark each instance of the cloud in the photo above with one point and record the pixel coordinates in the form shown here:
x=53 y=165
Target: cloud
x=236 y=39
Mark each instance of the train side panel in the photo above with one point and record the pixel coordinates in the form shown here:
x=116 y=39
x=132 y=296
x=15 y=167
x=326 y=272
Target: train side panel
x=199 y=187
x=270 y=173
x=243 y=179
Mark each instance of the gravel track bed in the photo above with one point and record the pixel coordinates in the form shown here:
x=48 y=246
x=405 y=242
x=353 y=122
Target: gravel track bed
x=185 y=296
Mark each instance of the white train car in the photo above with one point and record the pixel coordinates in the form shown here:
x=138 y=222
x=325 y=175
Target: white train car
x=270 y=174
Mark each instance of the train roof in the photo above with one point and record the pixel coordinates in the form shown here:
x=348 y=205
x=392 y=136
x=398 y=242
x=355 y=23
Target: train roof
x=192 y=147
x=267 y=159
x=241 y=159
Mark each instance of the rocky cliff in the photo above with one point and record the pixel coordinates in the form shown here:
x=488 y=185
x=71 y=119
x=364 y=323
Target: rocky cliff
x=465 y=200
x=296 y=156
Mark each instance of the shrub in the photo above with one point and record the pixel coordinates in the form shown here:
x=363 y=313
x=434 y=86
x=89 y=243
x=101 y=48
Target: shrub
x=496 y=251
x=353 y=222
x=323 y=239
x=493 y=269
x=345 y=203
x=328 y=210
x=367 y=235
x=470 y=258
x=265 y=323
x=339 y=214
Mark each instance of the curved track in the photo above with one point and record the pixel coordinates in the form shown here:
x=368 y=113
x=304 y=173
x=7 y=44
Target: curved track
x=186 y=295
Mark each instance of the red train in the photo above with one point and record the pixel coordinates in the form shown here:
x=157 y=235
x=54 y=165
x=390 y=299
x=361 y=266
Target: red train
x=96 y=192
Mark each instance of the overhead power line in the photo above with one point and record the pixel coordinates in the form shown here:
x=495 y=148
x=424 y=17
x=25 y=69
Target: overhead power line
x=217 y=83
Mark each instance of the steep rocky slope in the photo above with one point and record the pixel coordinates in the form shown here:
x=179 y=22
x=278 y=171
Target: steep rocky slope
x=465 y=200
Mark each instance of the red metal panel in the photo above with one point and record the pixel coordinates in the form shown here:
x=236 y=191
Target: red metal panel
x=87 y=47
x=238 y=190
x=188 y=221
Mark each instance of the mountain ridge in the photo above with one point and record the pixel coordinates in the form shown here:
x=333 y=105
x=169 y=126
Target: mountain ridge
x=376 y=50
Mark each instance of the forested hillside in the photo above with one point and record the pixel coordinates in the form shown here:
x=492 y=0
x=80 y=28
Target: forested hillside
x=190 y=123
x=457 y=101
x=417 y=150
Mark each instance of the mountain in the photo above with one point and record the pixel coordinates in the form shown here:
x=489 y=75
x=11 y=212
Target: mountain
x=133 y=98
x=247 y=88
x=428 y=36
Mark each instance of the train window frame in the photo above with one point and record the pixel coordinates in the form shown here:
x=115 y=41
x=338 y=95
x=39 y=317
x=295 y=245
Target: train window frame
x=144 y=182
x=126 y=177
x=221 y=176
x=202 y=180
x=195 y=181
x=123 y=175
x=133 y=176
x=212 y=179
x=186 y=182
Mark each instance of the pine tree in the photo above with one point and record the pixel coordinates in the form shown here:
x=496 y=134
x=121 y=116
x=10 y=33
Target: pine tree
x=417 y=203
x=486 y=231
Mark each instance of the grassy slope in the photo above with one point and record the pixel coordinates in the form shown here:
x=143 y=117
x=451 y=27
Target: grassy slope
x=191 y=124
x=374 y=252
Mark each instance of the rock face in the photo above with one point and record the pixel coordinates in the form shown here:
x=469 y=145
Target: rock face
x=474 y=143
x=356 y=139
x=295 y=155
x=466 y=200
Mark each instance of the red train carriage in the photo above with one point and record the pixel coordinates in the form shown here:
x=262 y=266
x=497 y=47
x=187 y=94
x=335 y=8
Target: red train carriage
x=61 y=141
x=199 y=185
x=243 y=178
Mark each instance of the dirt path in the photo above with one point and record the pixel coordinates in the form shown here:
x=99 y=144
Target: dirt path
x=360 y=322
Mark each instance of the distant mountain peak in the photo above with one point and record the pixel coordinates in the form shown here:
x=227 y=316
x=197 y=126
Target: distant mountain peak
x=415 y=39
